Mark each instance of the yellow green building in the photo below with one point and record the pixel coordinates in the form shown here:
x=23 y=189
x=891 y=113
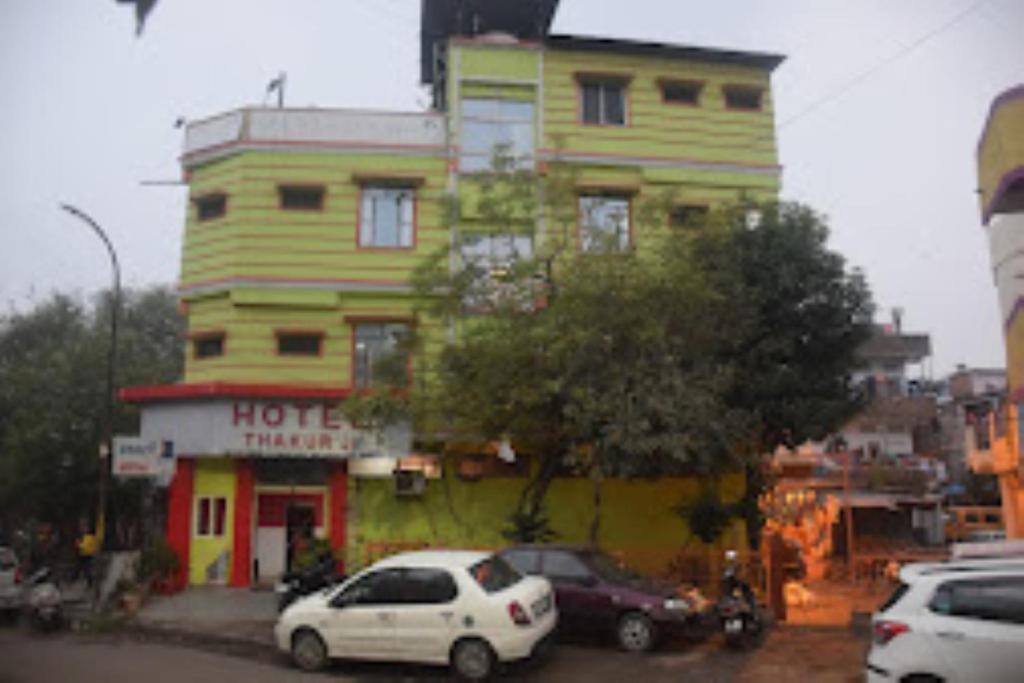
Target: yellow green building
x=1001 y=193
x=304 y=226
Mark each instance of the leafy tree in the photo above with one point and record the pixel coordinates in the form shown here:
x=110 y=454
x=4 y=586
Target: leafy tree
x=696 y=351
x=53 y=362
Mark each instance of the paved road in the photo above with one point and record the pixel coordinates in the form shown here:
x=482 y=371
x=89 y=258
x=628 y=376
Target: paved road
x=789 y=655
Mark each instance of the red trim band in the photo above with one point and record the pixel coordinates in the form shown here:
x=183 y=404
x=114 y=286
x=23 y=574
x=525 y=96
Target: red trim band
x=174 y=392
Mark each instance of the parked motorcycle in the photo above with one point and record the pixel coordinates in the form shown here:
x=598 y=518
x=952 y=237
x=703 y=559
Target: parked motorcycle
x=44 y=604
x=294 y=585
x=737 y=609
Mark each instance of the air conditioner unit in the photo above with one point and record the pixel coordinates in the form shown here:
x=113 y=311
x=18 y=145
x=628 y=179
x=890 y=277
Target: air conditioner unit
x=410 y=483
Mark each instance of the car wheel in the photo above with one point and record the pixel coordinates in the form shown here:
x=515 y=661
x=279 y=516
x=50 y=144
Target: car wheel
x=308 y=650
x=472 y=660
x=635 y=632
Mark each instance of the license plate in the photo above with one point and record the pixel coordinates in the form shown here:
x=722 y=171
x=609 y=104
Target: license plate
x=734 y=626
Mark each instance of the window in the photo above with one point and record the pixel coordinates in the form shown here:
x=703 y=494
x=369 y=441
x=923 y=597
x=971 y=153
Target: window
x=382 y=587
x=208 y=345
x=998 y=599
x=494 y=574
x=494 y=126
x=299 y=343
x=603 y=102
x=604 y=223
x=681 y=92
x=301 y=198
x=685 y=215
x=897 y=595
x=493 y=255
x=387 y=217
x=211 y=206
x=373 y=343
x=525 y=561
x=211 y=516
x=428 y=587
x=742 y=97
x=560 y=565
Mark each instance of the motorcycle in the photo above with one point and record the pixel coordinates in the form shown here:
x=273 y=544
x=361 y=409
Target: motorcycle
x=45 y=608
x=297 y=584
x=737 y=610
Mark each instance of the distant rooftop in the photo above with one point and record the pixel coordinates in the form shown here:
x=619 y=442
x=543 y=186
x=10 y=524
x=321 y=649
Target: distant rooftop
x=761 y=60
x=887 y=344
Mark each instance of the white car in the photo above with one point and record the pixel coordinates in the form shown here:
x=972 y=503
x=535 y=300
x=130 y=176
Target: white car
x=10 y=581
x=464 y=608
x=961 y=620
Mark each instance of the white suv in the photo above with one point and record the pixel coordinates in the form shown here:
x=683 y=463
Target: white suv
x=952 y=621
x=465 y=608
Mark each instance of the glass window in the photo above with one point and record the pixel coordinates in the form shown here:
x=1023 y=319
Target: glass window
x=897 y=595
x=742 y=97
x=494 y=574
x=299 y=344
x=603 y=103
x=208 y=346
x=1000 y=599
x=525 y=560
x=374 y=342
x=493 y=253
x=496 y=126
x=211 y=516
x=211 y=206
x=604 y=223
x=609 y=568
x=384 y=587
x=559 y=564
x=429 y=587
x=387 y=217
x=681 y=92
x=301 y=198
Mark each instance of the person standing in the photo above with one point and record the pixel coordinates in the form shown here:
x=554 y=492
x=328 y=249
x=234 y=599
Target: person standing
x=86 y=545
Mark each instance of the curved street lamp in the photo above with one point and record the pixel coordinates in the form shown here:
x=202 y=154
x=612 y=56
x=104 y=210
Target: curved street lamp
x=106 y=450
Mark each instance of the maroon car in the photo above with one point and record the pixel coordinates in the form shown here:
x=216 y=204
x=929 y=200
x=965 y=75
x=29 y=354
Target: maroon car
x=596 y=594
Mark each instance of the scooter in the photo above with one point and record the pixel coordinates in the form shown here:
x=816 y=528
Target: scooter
x=295 y=585
x=737 y=609
x=45 y=609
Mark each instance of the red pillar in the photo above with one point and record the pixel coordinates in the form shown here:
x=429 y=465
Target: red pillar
x=338 y=496
x=241 y=553
x=179 y=515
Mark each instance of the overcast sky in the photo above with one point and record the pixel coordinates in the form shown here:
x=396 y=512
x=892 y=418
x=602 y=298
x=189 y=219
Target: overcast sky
x=88 y=114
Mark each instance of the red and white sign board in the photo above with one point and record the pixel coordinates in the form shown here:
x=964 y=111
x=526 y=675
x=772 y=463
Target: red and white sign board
x=266 y=427
x=137 y=457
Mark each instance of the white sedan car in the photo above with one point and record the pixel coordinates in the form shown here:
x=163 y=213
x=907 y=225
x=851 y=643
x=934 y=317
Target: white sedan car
x=961 y=620
x=464 y=608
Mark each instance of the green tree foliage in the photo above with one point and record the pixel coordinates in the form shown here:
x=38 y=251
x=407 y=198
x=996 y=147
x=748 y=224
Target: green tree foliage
x=53 y=361
x=695 y=351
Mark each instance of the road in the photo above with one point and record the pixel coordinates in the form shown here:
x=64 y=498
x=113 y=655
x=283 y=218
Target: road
x=789 y=655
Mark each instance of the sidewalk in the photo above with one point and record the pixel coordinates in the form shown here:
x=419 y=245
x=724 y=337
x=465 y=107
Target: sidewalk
x=212 y=615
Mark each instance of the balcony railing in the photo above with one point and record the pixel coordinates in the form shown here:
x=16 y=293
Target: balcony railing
x=273 y=128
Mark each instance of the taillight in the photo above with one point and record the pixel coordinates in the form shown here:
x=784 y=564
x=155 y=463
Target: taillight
x=884 y=631
x=17 y=575
x=518 y=614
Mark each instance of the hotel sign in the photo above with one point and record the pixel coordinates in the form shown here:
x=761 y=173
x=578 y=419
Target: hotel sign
x=242 y=427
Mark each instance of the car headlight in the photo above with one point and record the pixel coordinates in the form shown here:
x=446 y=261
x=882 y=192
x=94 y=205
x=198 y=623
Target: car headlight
x=677 y=604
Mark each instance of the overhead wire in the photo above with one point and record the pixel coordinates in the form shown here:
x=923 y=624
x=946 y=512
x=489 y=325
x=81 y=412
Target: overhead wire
x=865 y=75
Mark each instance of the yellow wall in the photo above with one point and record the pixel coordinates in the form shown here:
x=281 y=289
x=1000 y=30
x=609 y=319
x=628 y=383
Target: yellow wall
x=213 y=477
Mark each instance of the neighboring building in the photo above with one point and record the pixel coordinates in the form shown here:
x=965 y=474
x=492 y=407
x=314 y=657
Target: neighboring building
x=898 y=417
x=305 y=225
x=1001 y=194
x=971 y=394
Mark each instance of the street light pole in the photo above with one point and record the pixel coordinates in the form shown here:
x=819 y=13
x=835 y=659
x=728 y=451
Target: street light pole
x=108 y=429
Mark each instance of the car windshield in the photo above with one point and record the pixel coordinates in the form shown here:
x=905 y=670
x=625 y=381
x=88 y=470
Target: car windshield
x=608 y=568
x=494 y=574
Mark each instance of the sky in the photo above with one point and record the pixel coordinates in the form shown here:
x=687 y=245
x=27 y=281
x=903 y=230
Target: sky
x=879 y=107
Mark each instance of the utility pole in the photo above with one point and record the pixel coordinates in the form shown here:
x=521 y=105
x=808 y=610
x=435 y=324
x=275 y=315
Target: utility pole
x=107 y=448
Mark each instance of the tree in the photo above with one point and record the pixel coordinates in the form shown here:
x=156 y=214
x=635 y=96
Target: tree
x=52 y=385
x=696 y=351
